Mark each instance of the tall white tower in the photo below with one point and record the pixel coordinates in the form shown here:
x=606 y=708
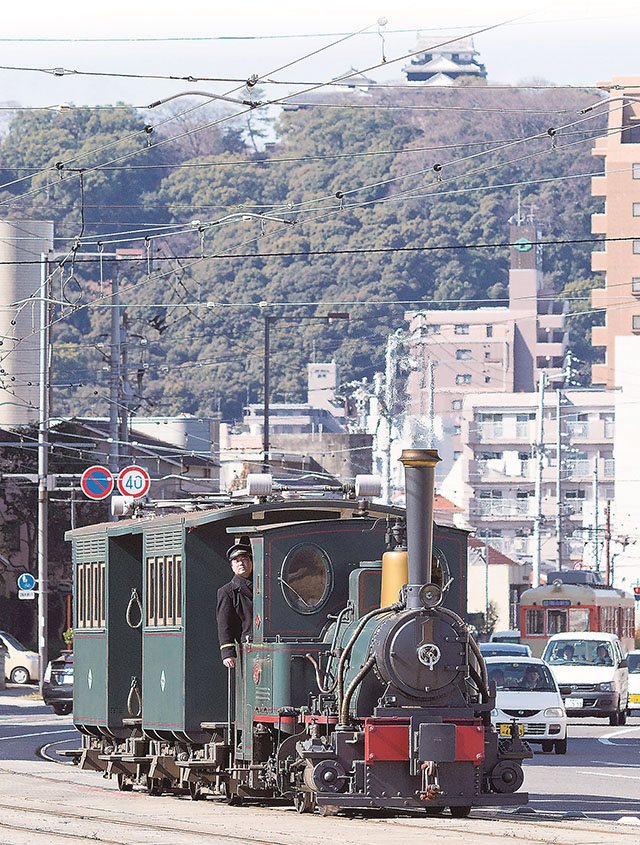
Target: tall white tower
x=20 y=241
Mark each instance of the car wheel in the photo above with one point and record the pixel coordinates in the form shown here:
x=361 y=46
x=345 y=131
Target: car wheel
x=547 y=745
x=19 y=675
x=614 y=718
x=61 y=709
x=561 y=746
x=622 y=717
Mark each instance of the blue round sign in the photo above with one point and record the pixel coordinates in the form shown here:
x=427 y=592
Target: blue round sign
x=97 y=482
x=26 y=581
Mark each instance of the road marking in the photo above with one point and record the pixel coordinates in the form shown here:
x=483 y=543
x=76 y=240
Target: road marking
x=40 y=733
x=610 y=775
x=606 y=739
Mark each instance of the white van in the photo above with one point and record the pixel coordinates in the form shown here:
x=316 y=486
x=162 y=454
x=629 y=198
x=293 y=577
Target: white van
x=591 y=671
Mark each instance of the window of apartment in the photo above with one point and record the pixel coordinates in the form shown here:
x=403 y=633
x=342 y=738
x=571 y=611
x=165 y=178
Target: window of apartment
x=575 y=494
x=636 y=171
x=488 y=533
x=635 y=285
x=456 y=455
x=431 y=328
x=487 y=379
x=636 y=209
x=636 y=246
x=487 y=355
x=635 y=323
x=490 y=494
x=456 y=405
x=489 y=331
x=457 y=429
x=463 y=354
x=463 y=378
x=461 y=328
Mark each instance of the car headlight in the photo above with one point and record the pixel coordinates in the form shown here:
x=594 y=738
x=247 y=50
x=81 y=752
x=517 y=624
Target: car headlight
x=494 y=712
x=554 y=712
x=606 y=687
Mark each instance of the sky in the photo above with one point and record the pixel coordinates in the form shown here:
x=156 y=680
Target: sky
x=566 y=42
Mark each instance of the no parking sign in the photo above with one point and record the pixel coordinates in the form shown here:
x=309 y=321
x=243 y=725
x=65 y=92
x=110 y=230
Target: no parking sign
x=97 y=482
x=134 y=481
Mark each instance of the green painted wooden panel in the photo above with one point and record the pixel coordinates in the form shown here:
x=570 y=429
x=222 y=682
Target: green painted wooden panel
x=163 y=679
x=89 y=678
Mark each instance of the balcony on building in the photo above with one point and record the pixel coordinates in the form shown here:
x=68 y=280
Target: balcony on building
x=599 y=224
x=599 y=261
x=503 y=508
x=598 y=183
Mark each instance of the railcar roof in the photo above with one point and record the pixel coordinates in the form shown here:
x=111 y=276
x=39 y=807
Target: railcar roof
x=331 y=508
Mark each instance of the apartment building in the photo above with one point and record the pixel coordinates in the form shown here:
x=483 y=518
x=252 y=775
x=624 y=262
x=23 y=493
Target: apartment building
x=494 y=481
x=503 y=348
x=619 y=189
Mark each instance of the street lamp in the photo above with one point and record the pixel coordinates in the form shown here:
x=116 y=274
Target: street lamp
x=269 y=319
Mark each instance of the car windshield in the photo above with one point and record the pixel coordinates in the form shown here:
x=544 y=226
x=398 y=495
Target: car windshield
x=13 y=641
x=511 y=675
x=579 y=653
x=634 y=664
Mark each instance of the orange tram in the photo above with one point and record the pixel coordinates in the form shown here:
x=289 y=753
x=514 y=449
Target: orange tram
x=575 y=600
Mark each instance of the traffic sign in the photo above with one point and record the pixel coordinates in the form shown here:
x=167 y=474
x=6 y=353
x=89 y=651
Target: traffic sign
x=26 y=581
x=97 y=482
x=133 y=481
x=26 y=594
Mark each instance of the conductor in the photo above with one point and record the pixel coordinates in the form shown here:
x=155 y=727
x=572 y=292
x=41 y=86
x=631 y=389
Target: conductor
x=234 y=611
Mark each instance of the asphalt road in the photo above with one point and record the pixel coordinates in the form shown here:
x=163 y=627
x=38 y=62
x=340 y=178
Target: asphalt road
x=589 y=795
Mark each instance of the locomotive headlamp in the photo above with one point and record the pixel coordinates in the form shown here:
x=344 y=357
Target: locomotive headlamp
x=259 y=484
x=368 y=486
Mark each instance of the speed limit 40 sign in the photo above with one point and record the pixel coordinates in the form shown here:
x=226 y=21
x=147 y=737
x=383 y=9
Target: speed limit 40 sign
x=133 y=481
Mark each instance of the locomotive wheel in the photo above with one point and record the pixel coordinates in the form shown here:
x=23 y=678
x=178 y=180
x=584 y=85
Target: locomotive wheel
x=460 y=812
x=232 y=798
x=124 y=784
x=155 y=786
x=195 y=791
x=304 y=801
x=328 y=810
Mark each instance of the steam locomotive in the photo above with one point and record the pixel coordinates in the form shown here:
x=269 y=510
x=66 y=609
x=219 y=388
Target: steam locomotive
x=361 y=686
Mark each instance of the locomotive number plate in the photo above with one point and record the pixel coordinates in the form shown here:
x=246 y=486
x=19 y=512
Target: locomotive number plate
x=573 y=703
x=505 y=730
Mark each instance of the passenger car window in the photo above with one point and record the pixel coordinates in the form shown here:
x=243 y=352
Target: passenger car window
x=306 y=577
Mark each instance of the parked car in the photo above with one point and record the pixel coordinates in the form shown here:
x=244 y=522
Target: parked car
x=634 y=681
x=20 y=665
x=505 y=637
x=57 y=684
x=527 y=693
x=504 y=650
x=591 y=671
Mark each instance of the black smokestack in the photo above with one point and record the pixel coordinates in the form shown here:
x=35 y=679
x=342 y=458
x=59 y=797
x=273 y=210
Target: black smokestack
x=419 y=473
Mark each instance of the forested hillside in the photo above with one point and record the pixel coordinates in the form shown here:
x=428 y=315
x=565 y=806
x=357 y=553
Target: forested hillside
x=384 y=195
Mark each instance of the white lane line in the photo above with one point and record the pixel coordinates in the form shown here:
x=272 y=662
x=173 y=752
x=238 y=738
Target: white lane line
x=610 y=775
x=606 y=738
x=40 y=733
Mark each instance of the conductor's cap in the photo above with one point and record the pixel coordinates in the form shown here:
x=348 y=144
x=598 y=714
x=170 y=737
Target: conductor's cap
x=238 y=549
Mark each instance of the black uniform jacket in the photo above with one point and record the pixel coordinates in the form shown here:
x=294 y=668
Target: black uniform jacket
x=234 y=614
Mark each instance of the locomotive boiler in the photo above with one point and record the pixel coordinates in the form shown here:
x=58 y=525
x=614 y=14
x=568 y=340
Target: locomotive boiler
x=360 y=687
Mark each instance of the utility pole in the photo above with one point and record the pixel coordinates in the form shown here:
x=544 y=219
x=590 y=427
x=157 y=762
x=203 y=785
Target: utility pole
x=596 y=527
x=431 y=434
x=43 y=466
x=114 y=374
x=126 y=386
x=559 y=512
x=607 y=542
x=537 y=520
x=265 y=417
x=486 y=581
